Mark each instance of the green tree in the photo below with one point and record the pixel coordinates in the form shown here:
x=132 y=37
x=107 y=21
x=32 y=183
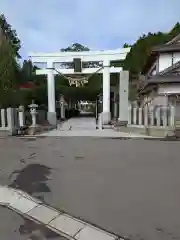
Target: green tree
x=27 y=70
x=9 y=72
x=126 y=45
x=9 y=68
x=75 y=47
x=10 y=35
x=28 y=73
x=141 y=49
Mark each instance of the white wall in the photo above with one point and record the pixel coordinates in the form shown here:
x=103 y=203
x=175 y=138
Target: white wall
x=170 y=89
x=162 y=95
x=157 y=100
x=176 y=57
x=160 y=100
x=166 y=60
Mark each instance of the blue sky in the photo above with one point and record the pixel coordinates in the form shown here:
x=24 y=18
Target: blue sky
x=49 y=25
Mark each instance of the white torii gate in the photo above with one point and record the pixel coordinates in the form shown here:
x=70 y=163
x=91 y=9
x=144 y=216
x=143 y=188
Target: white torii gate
x=52 y=61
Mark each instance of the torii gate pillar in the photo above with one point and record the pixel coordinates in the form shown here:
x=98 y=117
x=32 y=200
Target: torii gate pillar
x=51 y=115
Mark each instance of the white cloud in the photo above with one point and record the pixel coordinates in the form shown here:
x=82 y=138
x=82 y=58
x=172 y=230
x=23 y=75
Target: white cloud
x=48 y=25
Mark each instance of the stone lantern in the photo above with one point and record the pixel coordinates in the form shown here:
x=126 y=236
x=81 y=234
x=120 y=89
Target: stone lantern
x=33 y=111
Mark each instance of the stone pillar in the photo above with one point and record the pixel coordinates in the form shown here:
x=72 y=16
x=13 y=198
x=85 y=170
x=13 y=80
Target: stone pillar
x=21 y=116
x=115 y=106
x=123 y=98
x=12 y=120
x=62 y=107
x=52 y=118
x=3 y=119
x=106 y=92
x=62 y=111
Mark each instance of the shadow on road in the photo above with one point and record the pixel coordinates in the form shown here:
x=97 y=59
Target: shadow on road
x=16 y=227
x=37 y=231
x=32 y=179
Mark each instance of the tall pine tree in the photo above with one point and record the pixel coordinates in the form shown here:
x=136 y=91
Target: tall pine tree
x=9 y=70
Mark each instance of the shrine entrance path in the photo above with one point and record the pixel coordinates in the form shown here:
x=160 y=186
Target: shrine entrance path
x=79 y=124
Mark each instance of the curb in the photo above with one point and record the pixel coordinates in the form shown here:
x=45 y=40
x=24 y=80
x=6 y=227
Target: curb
x=30 y=137
x=170 y=139
x=56 y=220
x=148 y=138
x=105 y=137
x=136 y=138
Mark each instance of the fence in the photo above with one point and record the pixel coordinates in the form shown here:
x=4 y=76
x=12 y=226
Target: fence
x=12 y=119
x=8 y=120
x=152 y=116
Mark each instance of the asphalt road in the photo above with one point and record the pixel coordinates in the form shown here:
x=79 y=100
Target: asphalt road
x=130 y=187
x=15 y=227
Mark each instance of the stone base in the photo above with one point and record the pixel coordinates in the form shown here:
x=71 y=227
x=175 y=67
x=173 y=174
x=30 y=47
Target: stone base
x=52 y=118
x=171 y=134
x=177 y=132
x=32 y=130
x=122 y=123
x=14 y=132
x=106 y=118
